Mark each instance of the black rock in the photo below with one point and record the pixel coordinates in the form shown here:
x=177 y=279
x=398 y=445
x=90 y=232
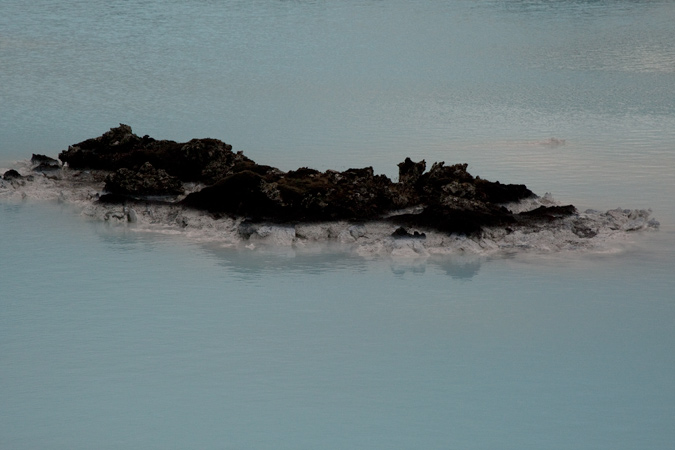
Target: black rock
x=548 y=213
x=118 y=148
x=113 y=199
x=409 y=172
x=44 y=163
x=11 y=174
x=450 y=199
x=239 y=194
x=145 y=181
x=43 y=159
x=401 y=232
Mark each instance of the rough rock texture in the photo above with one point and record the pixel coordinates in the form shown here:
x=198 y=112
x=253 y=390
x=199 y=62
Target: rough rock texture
x=11 y=174
x=145 y=181
x=445 y=198
x=401 y=232
x=42 y=163
x=198 y=159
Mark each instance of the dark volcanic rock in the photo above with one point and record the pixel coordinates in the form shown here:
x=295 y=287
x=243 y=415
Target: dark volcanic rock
x=11 y=174
x=42 y=163
x=550 y=212
x=545 y=214
x=461 y=218
x=300 y=195
x=442 y=181
x=495 y=192
x=105 y=151
x=331 y=195
x=401 y=232
x=198 y=159
x=113 y=199
x=240 y=194
x=409 y=172
x=145 y=181
x=445 y=198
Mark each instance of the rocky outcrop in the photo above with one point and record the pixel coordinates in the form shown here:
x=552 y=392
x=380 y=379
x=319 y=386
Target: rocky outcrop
x=299 y=195
x=445 y=198
x=197 y=160
x=42 y=163
x=11 y=174
x=143 y=182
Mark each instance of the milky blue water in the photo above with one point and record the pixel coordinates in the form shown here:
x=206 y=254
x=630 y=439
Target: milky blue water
x=110 y=338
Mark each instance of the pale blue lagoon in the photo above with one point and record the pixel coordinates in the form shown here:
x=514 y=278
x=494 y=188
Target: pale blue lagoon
x=114 y=338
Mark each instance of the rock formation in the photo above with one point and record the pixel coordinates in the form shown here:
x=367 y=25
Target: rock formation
x=11 y=174
x=445 y=198
x=143 y=182
x=42 y=163
x=207 y=191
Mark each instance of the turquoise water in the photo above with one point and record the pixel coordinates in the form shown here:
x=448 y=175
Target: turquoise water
x=117 y=340
x=111 y=338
